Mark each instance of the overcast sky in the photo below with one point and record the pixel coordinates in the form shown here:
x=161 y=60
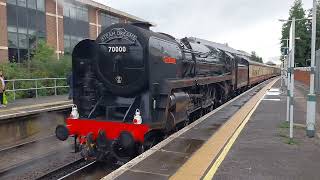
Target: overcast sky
x=249 y=25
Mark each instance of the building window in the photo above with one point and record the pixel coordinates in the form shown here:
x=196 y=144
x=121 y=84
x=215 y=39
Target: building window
x=14 y=2
x=23 y=39
x=40 y=5
x=22 y=3
x=75 y=11
x=70 y=42
x=12 y=40
x=31 y=4
x=25 y=25
x=108 y=20
x=75 y=24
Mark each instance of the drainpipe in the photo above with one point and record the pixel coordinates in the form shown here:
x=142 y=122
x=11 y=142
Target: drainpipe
x=57 y=30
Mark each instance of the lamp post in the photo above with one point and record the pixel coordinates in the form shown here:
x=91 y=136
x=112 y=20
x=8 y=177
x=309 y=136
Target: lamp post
x=290 y=86
x=291 y=59
x=288 y=75
x=290 y=79
x=311 y=102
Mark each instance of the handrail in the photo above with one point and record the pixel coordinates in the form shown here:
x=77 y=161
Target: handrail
x=35 y=87
x=10 y=80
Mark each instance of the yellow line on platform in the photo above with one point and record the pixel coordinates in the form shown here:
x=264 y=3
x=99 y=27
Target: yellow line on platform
x=227 y=148
x=197 y=165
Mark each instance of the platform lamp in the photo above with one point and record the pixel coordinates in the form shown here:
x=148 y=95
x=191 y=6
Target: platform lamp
x=285 y=51
x=311 y=102
x=290 y=89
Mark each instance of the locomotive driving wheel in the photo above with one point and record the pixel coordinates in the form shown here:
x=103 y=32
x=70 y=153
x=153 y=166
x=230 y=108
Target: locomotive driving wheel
x=151 y=139
x=122 y=154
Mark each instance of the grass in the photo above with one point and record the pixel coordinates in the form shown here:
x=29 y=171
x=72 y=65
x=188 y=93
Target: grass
x=284 y=125
x=291 y=141
x=283 y=132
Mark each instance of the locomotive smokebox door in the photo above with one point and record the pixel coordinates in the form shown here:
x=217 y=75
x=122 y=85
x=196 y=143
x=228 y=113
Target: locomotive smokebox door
x=121 y=65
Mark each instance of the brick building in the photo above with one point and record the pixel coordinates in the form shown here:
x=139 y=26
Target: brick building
x=60 y=23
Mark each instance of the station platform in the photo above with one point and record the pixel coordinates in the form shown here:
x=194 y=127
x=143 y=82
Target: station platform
x=246 y=138
x=24 y=107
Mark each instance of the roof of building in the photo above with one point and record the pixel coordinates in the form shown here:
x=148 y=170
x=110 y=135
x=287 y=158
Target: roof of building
x=112 y=10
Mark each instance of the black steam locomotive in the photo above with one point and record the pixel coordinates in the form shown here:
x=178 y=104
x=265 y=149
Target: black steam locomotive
x=133 y=87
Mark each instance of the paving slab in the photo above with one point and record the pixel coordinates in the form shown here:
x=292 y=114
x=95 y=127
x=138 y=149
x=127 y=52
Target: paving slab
x=262 y=150
x=24 y=107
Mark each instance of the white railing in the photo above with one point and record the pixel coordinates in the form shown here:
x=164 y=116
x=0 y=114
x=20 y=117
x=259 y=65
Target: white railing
x=12 y=84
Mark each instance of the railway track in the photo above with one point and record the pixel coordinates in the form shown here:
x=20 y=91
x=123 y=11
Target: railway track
x=81 y=169
x=63 y=171
x=16 y=146
x=67 y=170
x=78 y=170
x=34 y=158
x=18 y=149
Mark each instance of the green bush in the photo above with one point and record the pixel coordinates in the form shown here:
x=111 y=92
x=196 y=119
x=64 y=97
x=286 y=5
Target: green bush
x=43 y=64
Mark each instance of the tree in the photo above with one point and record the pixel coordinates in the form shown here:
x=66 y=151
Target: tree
x=301 y=45
x=43 y=52
x=309 y=29
x=255 y=57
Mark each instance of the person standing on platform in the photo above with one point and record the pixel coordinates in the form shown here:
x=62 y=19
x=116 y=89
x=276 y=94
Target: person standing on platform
x=2 y=88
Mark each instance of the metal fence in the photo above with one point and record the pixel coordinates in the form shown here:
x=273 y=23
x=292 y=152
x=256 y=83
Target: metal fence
x=35 y=85
x=316 y=75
